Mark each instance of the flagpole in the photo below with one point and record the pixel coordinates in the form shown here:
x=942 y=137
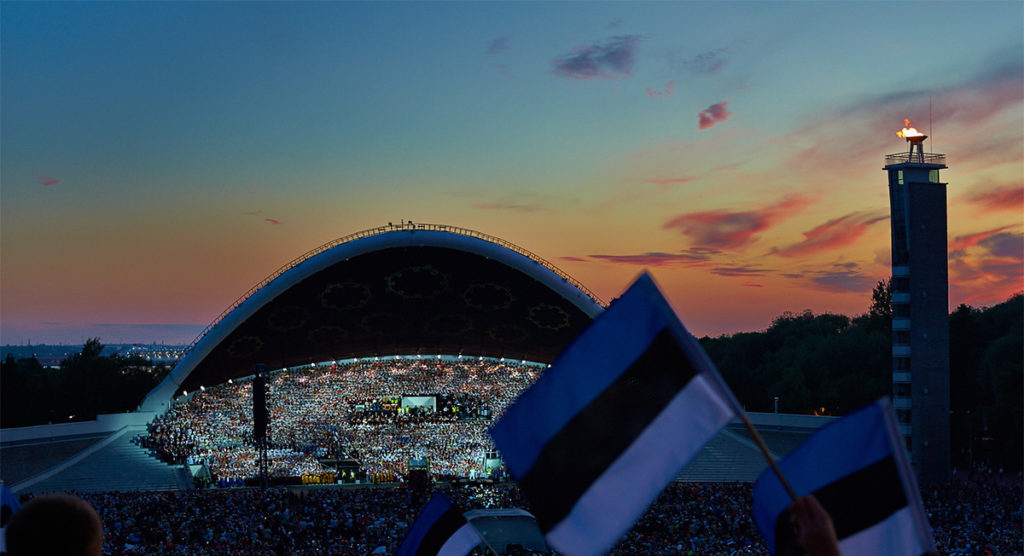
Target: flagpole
x=767 y=455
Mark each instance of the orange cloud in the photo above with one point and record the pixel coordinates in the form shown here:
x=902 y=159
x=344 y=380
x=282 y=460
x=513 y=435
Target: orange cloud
x=961 y=243
x=273 y=221
x=835 y=233
x=722 y=229
x=998 y=199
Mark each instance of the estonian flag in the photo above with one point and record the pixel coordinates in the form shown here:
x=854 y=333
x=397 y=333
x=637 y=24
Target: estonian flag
x=440 y=529
x=857 y=468
x=620 y=411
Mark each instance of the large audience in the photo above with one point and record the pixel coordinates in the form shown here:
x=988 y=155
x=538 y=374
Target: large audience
x=969 y=516
x=352 y=411
x=356 y=412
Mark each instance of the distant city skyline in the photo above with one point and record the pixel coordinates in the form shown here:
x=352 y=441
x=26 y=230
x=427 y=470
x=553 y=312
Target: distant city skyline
x=158 y=159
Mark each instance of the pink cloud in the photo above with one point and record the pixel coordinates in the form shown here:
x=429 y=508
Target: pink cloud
x=47 y=181
x=669 y=181
x=835 y=233
x=670 y=88
x=507 y=206
x=573 y=259
x=714 y=114
x=964 y=242
x=273 y=221
x=998 y=199
x=722 y=229
x=752 y=285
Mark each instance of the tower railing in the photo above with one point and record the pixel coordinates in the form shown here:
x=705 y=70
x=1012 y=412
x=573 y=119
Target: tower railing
x=406 y=226
x=915 y=158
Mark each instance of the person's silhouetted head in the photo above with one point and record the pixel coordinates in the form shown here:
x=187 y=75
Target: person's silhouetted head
x=55 y=525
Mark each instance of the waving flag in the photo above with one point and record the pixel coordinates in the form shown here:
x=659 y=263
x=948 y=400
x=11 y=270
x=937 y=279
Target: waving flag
x=620 y=411
x=441 y=530
x=857 y=468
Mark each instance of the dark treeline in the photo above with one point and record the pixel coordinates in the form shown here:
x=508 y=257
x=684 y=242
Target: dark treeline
x=86 y=384
x=831 y=364
x=826 y=363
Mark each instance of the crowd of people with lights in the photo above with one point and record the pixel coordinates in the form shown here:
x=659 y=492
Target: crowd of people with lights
x=351 y=411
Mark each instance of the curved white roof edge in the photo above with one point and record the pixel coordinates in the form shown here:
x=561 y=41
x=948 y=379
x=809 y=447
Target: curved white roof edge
x=159 y=398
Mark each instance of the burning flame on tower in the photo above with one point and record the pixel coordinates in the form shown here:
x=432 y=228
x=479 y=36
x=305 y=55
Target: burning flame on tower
x=908 y=132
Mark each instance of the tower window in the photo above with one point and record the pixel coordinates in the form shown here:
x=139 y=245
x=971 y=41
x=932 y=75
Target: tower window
x=901 y=310
x=903 y=390
x=899 y=177
x=902 y=337
x=933 y=176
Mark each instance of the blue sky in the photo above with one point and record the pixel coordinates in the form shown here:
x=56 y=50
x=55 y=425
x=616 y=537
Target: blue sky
x=160 y=158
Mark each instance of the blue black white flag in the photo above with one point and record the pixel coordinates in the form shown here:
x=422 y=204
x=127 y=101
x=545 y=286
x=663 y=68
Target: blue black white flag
x=857 y=468
x=441 y=530
x=613 y=420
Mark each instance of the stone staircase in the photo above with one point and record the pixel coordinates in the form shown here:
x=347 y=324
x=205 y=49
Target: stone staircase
x=115 y=463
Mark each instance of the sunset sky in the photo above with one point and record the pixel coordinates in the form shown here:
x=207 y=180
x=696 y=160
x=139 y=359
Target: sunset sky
x=158 y=159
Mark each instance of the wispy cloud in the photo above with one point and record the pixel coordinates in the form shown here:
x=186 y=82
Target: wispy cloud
x=989 y=270
x=609 y=59
x=670 y=88
x=499 y=45
x=47 y=181
x=706 y=63
x=254 y=212
x=273 y=221
x=668 y=181
x=961 y=109
x=520 y=207
x=835 y=233
x=573 y=259
x=999 y=198
x=716 y=113
x=961 y=243
x=840 y=277
x=653 y=258
x=731 y=230
x=739 y=270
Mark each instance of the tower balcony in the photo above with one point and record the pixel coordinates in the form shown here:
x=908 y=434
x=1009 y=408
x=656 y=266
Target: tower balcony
x=901 y=377
x=901 y=270
x=901 y=351
x=901 y=324
x=909 y=157
x=901 y=403
x=901 y=297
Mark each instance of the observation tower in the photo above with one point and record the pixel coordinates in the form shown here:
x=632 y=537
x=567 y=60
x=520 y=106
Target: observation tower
x=920 y=305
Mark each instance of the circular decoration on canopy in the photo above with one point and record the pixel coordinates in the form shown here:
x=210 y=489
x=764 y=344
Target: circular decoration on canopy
x=245 y=346
x=345 y=295
x=450 y=324
x=488 y=296
x=550 y=317
x=327 y=335
x=508 y=333
x=288 y=318
x=417 y=282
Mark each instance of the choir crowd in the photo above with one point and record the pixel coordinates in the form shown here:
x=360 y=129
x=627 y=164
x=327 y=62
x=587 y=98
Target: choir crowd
x=348 y=412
